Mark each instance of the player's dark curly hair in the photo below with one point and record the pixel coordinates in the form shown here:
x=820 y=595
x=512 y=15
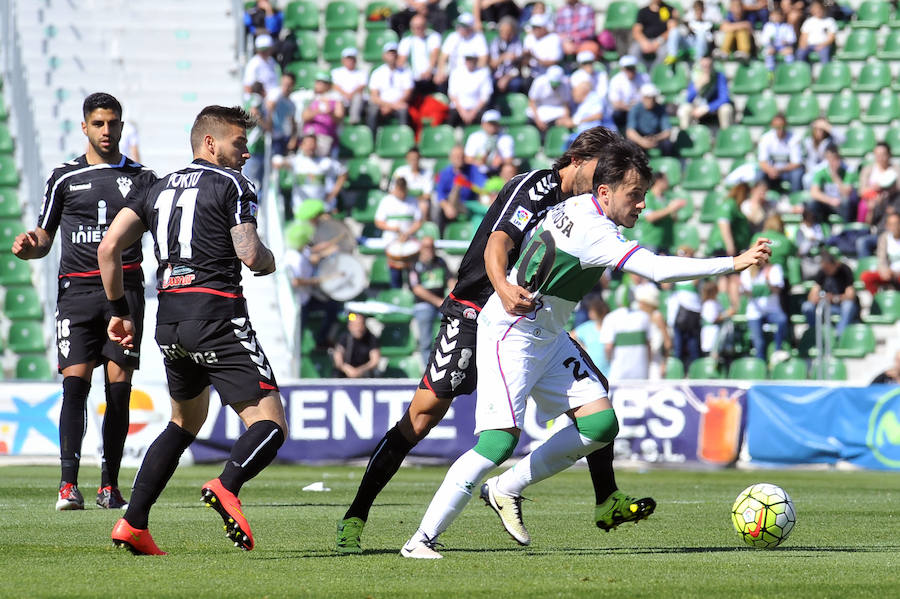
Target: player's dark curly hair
x=586 y=146
x=212 y=119
x=615 y=159
x=100 y=100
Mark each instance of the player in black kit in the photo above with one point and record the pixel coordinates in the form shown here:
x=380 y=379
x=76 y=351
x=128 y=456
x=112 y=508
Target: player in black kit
x=451 y=369
x=203 y=221
x=82 y=198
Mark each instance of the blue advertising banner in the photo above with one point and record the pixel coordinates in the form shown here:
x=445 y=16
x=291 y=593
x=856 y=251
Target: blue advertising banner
x=796 y=425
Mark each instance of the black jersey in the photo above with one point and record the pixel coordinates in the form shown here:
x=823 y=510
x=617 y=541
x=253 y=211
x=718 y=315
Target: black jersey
x=81 y=200
x=190 y=214
x=519 y=206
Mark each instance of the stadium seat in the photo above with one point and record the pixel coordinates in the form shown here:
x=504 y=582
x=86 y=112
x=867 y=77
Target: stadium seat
x=555 y=141
x=733 y=142
x=307 y=46
x=883 y=108
x=834 y=77
x=437 y=141
x=668 y=165
x=374 y=41
x=701 y=174
x=874 y=77
x=304 y=72
x=748 y=368
x=377 y=15
x=403 y=298
x=33 y=368
x=379 y=275
x=693 y=142
x=892 y=139
x=341 y=15
x=842 y=108
x=316 y=365
x=704 y=368
x=792 y=78
x=408 y=367
x=22 y=303
x=834 y=370
x=9 y=175
x=363 y=173
x=759 y=110
x=9 y=203
x=670 y=79
x=750 y=79
x=674 y=368
x=620 y=15
x=859 y=140
x=885 y=307
x=393 y=141
x=366 y=214
x=459 y=231
x=527 y=140
x=792 y=369
x=12 y=270
x=859 y=45
x=890 y=48
x=512 y=109
x=397 y=340
x=802 y=109
x=355 y=141
x=6 y=140
x=709 y=210
x=686 y=234
x=856 y=341
x=26 y=337
x=9 y=228
x=301 y=14
x=871 y=14
x=335 y=42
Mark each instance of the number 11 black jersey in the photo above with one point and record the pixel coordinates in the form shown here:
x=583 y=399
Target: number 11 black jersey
x=190 y=213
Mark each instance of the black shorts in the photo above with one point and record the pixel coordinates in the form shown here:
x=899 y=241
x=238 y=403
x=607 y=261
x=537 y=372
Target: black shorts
x=451 y=369
x=82 y=315
x=223 y=353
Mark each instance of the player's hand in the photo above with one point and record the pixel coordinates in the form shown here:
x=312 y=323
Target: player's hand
x=121 y=330
x=757 y=255
x=24 y=244
x=516 y=300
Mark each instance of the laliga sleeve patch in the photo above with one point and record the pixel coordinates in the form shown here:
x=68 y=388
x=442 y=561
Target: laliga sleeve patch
x=254 y=208
x=521 y=218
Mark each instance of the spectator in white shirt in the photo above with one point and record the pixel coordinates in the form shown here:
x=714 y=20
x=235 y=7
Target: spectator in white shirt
x=399 y=216
x=470 y=88
x=542 y=48
x=419 y=178
x=763 y=286
x=700 y=22
x=390 y=89
x=489 y=148
x=780 y=156
x=261 y=66
x=549 y=99
x=625 y=89
x=817 y=34
x=465 y=41
x=420 y=50
x=587 y=78
x=316 y=177
x=350 y=82
x=777 y=37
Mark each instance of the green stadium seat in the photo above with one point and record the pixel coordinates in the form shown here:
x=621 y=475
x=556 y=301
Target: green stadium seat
x=883 y=108
x=363 y=173
x=366 y=213
x=856 y=341
x=379 y=275
x=871 y=14
x=22 y=303
x=402 y=298
x=26 y=337
x=335 y=42
x=408 y=367
x=393 y=141
x=555 y=141
x=843 y=108
x=670 y=79
x=674 y=368
x=834 y=369
x=802 y=109
x=874 y=77
x=9 y=203
x=750 y=79
x=307 y=46
x=437 y=141
x=512 y=109
x=693 y=142
x=397 y=340
x=9 y=228
x=733 y=142
x=527 y=140
x=459 y=231
x=33 y=368
x=305 y=73
x=885 y=307
x=859 y=45
x=377 y=15
x=859 y=140
x=374 y=41
x=686 y=234
x=792 y=369
x=12 y=270
x=890 y=48
x=704 y=368
x=748 y=368
x=6 y=141
x=709 y=210
x=341 y=15
x=834 y=77
x=668 y=165
x=759 y=110
x=316 y=365
x=9 y=175
x=892 y=139
x=701 y=174
x=301 y=14
x=620 y=15
x=792 y=78
x=355 y=141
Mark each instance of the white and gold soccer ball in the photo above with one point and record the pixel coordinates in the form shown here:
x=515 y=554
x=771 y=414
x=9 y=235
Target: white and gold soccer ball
x=764 y=515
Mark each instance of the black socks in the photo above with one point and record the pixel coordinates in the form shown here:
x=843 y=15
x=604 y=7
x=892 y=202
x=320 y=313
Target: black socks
x=384 y=463
x=253 y=451
x=72 y=424
x=115 y=429
x=600 y=464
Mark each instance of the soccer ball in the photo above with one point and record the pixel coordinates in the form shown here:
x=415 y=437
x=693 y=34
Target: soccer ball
x=763 y=514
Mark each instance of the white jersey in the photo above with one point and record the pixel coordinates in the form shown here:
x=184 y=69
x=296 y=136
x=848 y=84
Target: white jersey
x=629 y=331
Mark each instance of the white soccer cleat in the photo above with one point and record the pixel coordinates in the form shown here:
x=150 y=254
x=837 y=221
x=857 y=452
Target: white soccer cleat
x=421 y=549
x=509 y=508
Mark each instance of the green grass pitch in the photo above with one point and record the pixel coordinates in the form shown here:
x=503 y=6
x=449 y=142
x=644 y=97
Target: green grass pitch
x=846 y=542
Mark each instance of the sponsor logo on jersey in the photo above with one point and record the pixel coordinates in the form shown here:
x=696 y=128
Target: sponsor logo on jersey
x=79 y=186
x=124 y=184
x=88 y=234
x=621 y=237
x=176 y=352
x=521 y=218
x=470 y=314
x=177 y=277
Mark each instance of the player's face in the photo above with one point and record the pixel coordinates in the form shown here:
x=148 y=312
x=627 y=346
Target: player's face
x=103 y=128
x=623 y=204
x=231 y=147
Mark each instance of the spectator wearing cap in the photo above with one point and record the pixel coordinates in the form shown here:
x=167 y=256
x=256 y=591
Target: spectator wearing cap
x=390 y=89
x=280 y=117
x=587 y=77
x=833 y=285
x=489 y=148
x=625 y=89
x=549 y=99
x=655 y=33
x=458 y=184
x=575 y=27
x=261 y=66
x=817 y=34
x=420 y=50
x=707 y=97
x=350 y=82
x=469 y=89
x=506 y=58
x=649 y=125
x=323 y=114
x=542 y=48
x=465 y=41
x=780 y=156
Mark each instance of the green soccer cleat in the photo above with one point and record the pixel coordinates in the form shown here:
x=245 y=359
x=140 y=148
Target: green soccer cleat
x=619 y=508
x=348 y=533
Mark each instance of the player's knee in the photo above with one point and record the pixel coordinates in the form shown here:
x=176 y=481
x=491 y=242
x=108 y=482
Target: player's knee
x=496 y=445
x=600 y=426
x=76 y=389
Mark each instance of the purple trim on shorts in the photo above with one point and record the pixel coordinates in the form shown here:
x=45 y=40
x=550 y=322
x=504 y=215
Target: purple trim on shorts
x=512 y=412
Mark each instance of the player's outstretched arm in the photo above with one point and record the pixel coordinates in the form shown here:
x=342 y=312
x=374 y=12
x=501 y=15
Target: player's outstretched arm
x=666 y=269
x=250 y=250
x=124 y=231
x=32 y=244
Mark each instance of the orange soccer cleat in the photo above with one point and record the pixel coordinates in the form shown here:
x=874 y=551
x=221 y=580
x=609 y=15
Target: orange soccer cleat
x=137 y=541
x=229 y=507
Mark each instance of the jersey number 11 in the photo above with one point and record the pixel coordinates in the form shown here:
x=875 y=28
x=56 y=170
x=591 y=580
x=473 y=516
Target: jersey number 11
x=165 y=205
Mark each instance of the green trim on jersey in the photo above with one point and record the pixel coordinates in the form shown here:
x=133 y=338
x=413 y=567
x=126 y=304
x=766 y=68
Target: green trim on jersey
x=568 y=278
x=630 y=338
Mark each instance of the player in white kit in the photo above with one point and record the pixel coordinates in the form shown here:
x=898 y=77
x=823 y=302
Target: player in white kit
x=518 y=356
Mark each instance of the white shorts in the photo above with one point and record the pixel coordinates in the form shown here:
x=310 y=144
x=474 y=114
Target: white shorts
x=513 y=364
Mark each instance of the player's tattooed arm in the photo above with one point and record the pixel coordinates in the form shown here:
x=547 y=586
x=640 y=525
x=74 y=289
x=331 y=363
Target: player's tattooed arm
x=32 y=244
x=250 y=250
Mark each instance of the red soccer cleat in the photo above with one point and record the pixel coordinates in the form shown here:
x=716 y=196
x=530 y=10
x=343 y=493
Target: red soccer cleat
x=137 y=541
x=229 y=507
